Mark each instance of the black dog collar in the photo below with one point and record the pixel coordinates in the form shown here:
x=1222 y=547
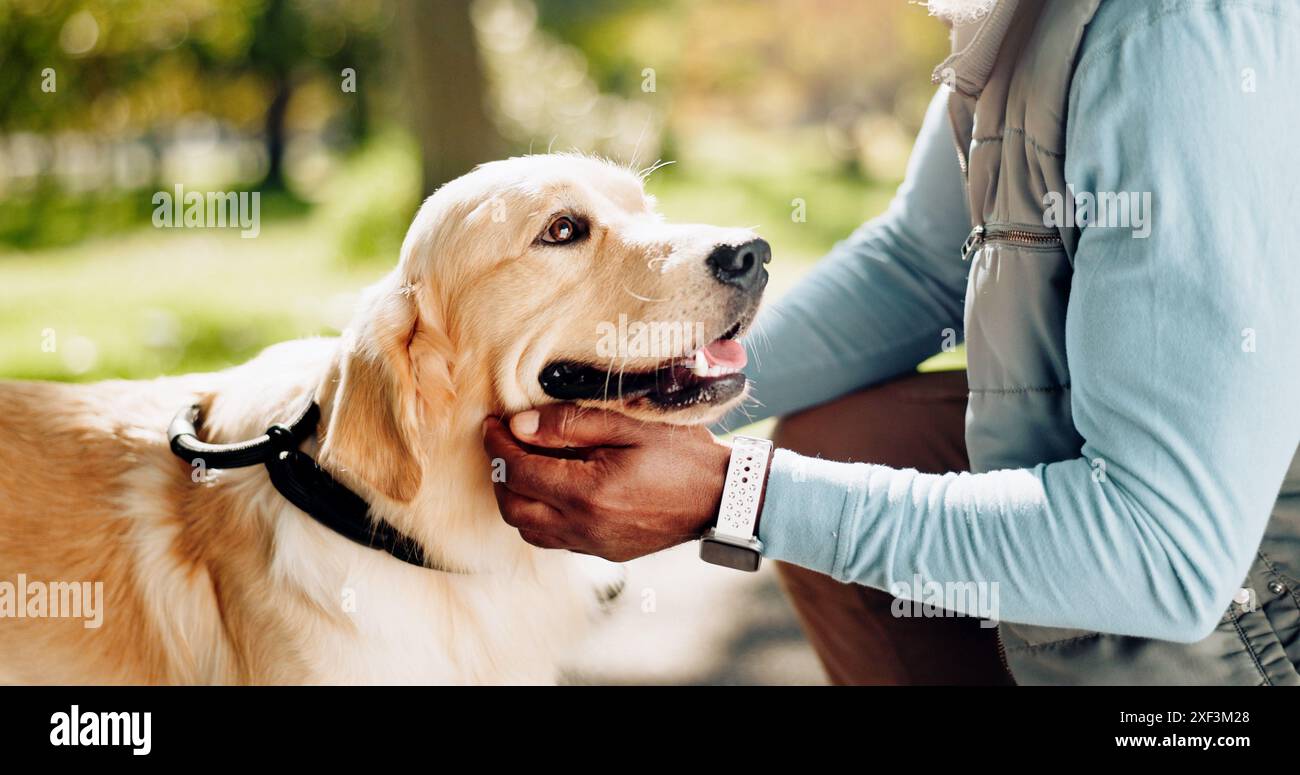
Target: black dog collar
x=300 y=479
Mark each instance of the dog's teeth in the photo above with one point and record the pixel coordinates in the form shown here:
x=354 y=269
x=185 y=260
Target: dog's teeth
x=701 y=367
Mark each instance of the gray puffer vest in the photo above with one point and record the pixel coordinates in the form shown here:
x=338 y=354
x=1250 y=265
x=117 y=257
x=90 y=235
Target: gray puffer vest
x=1009 y=93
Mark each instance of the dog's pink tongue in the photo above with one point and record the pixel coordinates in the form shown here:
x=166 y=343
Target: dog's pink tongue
x=726 y=352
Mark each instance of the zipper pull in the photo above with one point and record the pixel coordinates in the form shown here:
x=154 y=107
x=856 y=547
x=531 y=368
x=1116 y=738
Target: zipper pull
x=973 y=241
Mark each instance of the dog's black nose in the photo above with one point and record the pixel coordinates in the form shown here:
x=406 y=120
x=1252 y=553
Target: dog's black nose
x=741 y=265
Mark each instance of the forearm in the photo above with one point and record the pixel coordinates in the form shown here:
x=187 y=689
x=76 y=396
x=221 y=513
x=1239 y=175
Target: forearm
x=1054 y=546
x=885 y=299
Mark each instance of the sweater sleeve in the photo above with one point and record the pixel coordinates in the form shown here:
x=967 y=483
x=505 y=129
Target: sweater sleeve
x=1183 y=355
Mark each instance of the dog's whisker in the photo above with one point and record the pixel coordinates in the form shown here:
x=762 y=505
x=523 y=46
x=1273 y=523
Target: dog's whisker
x=639 y=297
x=658 y=165
x=609 y=374
x=622 y=367
x=636 y=149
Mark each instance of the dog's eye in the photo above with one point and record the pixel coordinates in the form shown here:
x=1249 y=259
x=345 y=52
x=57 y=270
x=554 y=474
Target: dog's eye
x=563 y=229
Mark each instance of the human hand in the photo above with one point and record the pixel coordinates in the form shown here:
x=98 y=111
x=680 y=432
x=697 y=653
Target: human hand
x=621 y=489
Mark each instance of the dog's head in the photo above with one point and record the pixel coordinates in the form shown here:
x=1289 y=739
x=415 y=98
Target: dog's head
x=548 y=278
x=564 y=279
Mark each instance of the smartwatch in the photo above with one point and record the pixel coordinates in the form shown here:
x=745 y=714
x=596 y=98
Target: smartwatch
x=733 y=541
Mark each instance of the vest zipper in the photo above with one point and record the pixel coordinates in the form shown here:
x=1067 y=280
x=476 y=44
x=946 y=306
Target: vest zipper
x=1002 y=651
x=981 y=234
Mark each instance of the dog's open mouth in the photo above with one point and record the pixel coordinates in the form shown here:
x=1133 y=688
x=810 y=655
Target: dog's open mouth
x=709 y=375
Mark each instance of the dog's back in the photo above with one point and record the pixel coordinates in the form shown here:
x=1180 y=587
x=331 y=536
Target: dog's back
x=72 y=603
x=120 y=564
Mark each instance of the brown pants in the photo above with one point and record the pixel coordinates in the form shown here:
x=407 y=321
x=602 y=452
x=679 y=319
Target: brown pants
x=916 y=421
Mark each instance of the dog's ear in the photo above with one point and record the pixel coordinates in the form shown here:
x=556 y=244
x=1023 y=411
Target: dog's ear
x=372 y=398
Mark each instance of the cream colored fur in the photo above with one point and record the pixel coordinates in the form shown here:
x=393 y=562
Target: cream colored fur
x=221 y=581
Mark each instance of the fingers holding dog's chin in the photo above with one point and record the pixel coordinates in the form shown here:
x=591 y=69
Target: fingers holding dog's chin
x=577 y=426
x=541 y=540
x=564 y=425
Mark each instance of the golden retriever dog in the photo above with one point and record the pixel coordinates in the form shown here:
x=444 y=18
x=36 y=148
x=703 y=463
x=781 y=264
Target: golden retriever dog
x=516 y=286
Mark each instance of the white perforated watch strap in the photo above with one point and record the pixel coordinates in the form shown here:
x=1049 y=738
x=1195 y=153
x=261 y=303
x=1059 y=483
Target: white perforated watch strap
x=743 y=491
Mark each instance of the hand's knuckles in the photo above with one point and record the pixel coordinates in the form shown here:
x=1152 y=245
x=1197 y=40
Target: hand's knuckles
x=512 y=515
x=530 y=538
x=539 y=539
x=517 y=511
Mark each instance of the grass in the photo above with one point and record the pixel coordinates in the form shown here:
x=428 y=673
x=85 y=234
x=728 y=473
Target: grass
x=149 y=302
x=154 y=303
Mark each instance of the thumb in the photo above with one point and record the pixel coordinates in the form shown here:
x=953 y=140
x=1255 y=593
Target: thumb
x=567 y=425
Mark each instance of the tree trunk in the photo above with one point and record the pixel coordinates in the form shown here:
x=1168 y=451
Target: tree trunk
x=273 y=128
x=446 y=89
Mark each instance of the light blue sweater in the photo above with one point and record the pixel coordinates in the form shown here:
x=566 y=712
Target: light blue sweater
x=1184 y=348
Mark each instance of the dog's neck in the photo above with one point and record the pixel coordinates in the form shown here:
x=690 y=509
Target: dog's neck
x=453 y=513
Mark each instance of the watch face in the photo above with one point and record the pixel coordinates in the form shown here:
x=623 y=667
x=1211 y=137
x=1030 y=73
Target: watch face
x=730 y=555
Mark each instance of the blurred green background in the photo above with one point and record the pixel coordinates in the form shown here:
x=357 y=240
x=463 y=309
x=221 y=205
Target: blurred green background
x=793 y=116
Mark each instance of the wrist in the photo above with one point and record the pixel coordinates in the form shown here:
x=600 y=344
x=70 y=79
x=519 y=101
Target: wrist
x=715 y=479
